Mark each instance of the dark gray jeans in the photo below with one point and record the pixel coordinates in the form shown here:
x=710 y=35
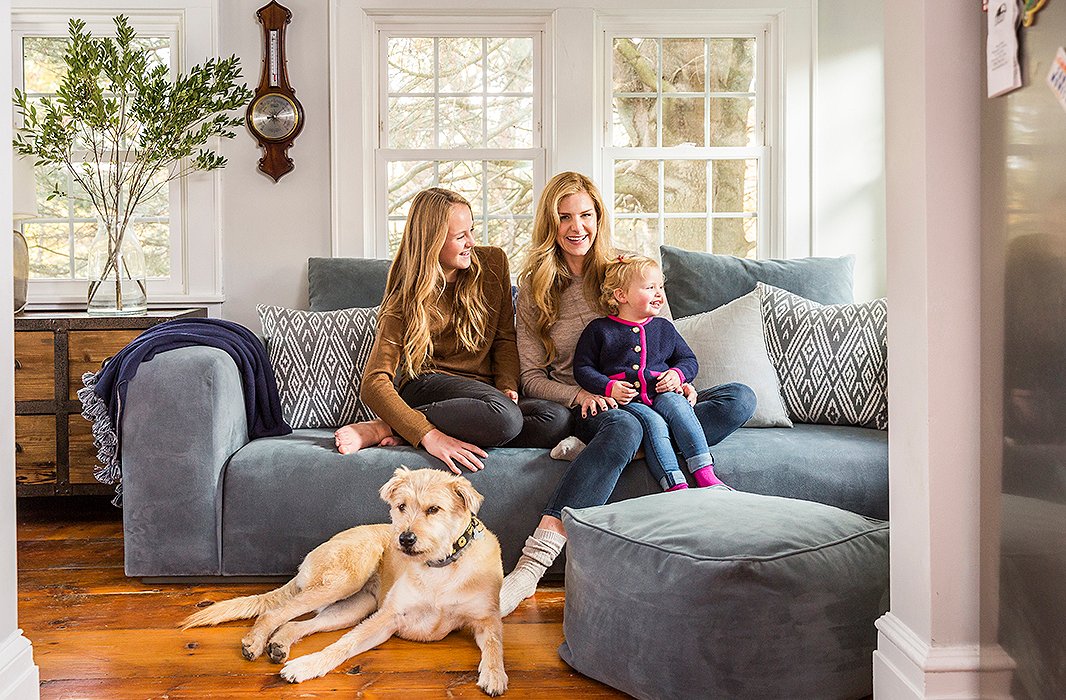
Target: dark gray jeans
x=475 y=412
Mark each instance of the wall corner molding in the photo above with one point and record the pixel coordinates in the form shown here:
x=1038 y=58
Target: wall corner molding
x=19 y=676
x=906 y=666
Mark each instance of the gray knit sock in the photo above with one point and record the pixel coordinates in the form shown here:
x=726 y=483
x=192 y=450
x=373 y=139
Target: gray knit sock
x=540 y=551
x=568 y=449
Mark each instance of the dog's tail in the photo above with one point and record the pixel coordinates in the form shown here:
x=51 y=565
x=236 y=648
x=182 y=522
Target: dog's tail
x=239 y=608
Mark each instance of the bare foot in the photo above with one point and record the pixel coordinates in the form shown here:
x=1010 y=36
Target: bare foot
x=354 y=437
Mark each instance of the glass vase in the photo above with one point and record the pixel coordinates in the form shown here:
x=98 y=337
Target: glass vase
x=117 y=272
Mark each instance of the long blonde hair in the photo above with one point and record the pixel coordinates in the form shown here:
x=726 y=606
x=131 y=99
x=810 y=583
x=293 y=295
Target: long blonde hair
x=545 y=274
x=620 y=273
x=416 y=282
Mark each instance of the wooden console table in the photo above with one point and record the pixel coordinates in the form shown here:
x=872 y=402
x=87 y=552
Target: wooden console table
x=54 y=452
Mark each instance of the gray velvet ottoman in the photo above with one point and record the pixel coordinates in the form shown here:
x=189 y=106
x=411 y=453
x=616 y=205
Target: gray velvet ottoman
x=708 y=593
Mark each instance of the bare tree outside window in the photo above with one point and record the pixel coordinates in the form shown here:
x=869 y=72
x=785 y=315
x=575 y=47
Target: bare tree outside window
x=470 y=102
x=59 y=237
x=696 y=94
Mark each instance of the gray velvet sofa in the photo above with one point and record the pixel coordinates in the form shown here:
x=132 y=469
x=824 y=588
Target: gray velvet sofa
x=200 y=499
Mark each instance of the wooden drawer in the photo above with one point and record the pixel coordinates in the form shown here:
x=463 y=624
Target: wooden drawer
x=80 y=451
x=35 y=449
x=35 y=375
x=89 y=349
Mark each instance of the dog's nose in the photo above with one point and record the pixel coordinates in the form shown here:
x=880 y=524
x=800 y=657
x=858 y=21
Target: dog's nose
x=407 y=539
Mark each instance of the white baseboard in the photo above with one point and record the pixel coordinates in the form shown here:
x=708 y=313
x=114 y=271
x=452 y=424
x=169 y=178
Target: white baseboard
x=19 y=677
x=907 y=667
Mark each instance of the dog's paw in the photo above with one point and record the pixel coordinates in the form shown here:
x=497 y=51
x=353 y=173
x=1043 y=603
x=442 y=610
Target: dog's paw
x=278 y=652
x=302 y=669
x=251 y=648
x=493 y=681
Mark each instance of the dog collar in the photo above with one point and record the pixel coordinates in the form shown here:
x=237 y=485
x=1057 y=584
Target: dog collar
x=473 y=531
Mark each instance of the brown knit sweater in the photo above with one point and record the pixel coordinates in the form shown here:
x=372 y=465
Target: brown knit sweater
x=496 y=363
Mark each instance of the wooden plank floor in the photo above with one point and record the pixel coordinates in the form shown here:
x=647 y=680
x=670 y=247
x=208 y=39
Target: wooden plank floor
x=98 y=634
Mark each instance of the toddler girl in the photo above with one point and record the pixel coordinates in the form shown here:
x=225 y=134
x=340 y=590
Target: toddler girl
x=640 y=360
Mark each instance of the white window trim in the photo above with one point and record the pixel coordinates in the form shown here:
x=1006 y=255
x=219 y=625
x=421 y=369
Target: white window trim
x=574 y=114
x=196 y=245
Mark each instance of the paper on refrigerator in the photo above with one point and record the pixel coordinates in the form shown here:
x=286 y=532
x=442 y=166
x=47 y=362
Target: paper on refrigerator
x=1004 y=71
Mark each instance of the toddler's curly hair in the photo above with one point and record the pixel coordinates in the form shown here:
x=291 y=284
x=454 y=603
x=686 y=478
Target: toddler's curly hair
x=620 y=273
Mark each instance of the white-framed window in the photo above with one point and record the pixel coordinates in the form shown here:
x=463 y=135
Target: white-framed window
x=179 y=226
x=684 y=157
x=740 y=194
x=460 y=107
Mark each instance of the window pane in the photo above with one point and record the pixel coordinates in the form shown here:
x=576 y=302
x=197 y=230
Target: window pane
x=49 y=249
x=733 y=121
x=735 y=186
x=47 y=177
x=510 y=187
x=410 y=64
x=464 y=176
x=683 y=121
x=395 y=234
x=685 y=186
x=634 y=122
x=84 y=233
x=461 y=67
x=410 y=122
x=636 y=186
x=639 y=236
x=510 y=65
x=690 y=234
x=683 y=65
x=510 y=122
x=155 y=241
x=461 y=122
x=43 y=63
x=514 y=236
x=406 y=179
x=733 y=65
x=156 y=202
x=636 y=65
x=734 y=236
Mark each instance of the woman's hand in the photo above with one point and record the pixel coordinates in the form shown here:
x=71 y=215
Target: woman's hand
x=591 y=404
x=622 y=392
x=511 y=394
x=669 y=380
x=449 y=450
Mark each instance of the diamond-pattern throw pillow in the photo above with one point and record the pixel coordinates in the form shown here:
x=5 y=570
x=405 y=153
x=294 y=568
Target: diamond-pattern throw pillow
x=318 y=359
x=832 y=360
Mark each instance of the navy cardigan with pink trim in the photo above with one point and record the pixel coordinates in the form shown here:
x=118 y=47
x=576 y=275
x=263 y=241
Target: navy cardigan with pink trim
x=612 y=349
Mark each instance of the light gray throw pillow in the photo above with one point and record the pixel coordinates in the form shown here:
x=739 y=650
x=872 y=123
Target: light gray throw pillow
x=318 y=359
x=832 y=360
x=728 y=343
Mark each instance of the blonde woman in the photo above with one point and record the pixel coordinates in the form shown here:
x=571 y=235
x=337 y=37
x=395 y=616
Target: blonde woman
x=446 y=339
x=559 y=291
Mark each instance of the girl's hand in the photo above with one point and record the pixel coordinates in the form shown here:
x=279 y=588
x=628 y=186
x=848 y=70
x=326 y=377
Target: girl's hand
x=591 y=404
x=622 y=392
x=449 y=450
x=669 y=380
x=689 y=392
x=511 y=394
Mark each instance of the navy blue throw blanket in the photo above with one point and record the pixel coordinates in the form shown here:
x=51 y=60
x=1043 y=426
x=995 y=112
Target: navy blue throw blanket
x=105 y=391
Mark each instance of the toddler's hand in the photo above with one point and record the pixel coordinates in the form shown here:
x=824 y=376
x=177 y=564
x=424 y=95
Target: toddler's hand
x=669 y=380
x=622 y=392
x=689 y=392
x=511 y=394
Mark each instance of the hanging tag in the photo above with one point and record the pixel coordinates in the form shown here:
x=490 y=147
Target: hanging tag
x=1004 y=71
x=1056 y=79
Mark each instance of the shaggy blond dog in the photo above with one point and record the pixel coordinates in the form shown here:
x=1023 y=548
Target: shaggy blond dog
x=433 y=570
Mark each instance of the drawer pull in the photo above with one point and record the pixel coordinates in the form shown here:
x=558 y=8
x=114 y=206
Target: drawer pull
x=18 y=365
x=18 y=448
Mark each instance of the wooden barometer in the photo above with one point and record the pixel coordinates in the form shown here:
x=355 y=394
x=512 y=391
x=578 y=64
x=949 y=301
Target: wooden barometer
x=274 y=116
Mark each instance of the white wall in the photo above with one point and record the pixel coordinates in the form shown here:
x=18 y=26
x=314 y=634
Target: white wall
x=269 y=230
x=849 y=140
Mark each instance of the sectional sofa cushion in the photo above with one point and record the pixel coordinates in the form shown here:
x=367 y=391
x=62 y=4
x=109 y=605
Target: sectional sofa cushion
x=318 y=359
x=344 y=283
x=698 y=282
x=832 y=360
x=716 y=594
x=728 y=343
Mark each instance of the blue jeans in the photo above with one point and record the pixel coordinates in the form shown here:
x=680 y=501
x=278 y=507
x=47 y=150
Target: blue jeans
x=612 y=438
x=669 y=415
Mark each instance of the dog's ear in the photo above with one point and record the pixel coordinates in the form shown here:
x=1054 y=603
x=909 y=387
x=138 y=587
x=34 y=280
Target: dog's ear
x=399 y=478
x=468 y=494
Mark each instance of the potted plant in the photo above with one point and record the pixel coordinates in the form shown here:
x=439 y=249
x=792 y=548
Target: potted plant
x=116 y=122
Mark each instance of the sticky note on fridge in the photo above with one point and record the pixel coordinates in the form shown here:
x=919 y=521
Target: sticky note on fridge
x=1056 y=79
